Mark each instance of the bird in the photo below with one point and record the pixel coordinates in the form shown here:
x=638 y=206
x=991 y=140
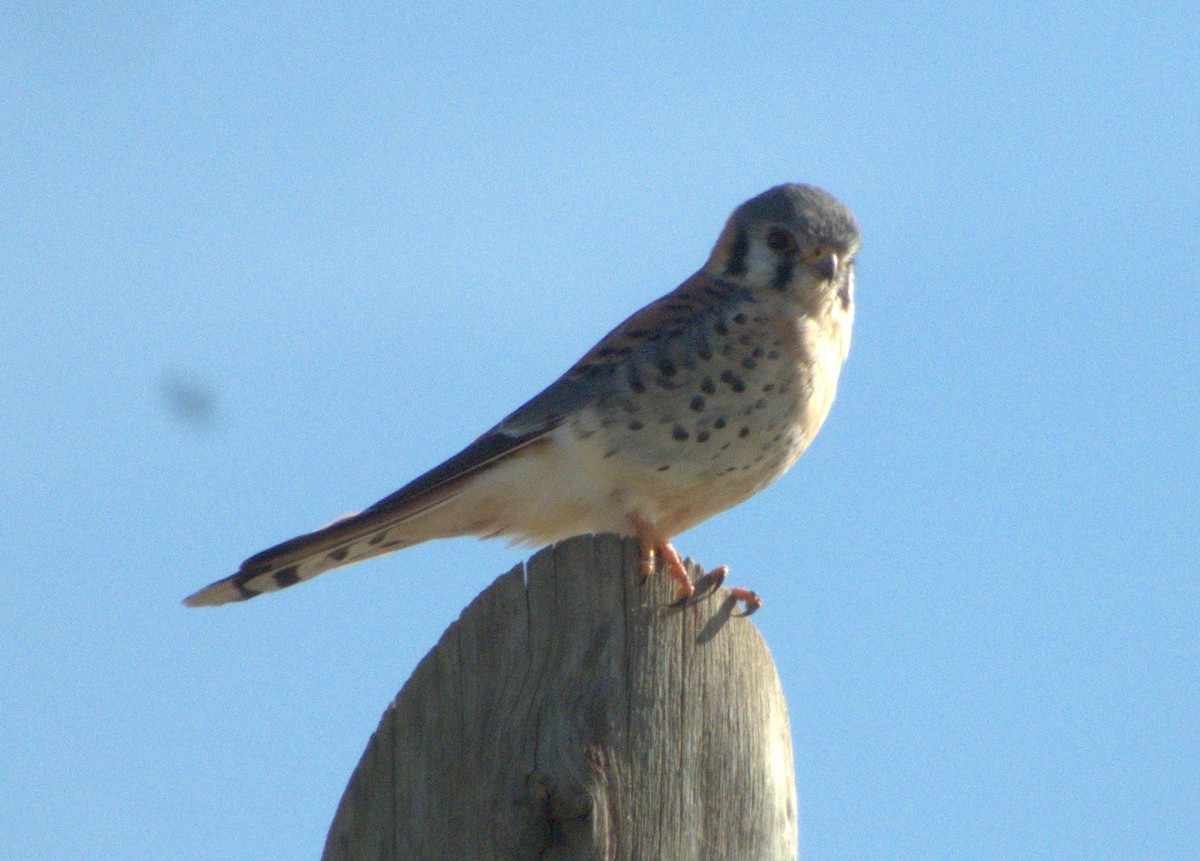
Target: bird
x=690 y=406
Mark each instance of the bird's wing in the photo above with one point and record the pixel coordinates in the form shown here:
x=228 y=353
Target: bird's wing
x=370 y=532
x=650 y=331
x=373 y=532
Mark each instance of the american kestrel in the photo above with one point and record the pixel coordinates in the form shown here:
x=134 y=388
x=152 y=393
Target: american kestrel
x=692 y=405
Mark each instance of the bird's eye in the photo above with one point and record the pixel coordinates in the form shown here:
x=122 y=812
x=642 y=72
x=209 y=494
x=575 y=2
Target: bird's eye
x=781 y=241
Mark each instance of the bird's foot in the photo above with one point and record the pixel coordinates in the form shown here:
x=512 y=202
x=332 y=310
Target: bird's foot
x=676 y=570
x=709 y=583
x=705 y=585
x=648 y=560
x=750 y=600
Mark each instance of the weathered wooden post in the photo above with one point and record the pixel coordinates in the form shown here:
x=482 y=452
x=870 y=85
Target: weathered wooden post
x=570 y=714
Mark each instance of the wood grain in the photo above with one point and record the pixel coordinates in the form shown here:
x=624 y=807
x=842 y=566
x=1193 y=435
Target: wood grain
x=571 y=714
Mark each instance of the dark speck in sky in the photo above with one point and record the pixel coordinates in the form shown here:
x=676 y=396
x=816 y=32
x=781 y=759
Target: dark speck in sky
x=188 y=400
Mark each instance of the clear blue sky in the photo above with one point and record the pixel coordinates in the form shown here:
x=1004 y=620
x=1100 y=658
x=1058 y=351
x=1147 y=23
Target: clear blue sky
x=356 y=239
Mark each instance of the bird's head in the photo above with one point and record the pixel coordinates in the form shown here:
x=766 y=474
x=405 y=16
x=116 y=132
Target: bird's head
x=796 y=239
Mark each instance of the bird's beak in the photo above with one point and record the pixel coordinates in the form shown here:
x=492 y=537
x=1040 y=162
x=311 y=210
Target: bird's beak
x=827 y=265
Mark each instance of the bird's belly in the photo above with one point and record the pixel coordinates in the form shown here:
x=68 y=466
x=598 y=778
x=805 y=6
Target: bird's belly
x=679 y=461
x=670 y=463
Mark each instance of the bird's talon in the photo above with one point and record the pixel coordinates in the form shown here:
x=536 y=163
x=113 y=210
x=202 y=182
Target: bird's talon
x=711 y=582
x=750 y=599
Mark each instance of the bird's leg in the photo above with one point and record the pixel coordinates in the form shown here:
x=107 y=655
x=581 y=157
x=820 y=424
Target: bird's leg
x=654 y=549
x=672 y=566
x=675 y=569
x=647 y=560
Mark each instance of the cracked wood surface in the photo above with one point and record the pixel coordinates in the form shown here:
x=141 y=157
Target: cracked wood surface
x=569 y=713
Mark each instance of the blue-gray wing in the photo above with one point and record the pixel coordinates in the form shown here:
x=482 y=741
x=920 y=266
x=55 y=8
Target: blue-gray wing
x=524 y=426
x=366 y=534
x=609 y=369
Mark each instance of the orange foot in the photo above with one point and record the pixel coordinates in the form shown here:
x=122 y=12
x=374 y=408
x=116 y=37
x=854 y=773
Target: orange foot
x=712 y=581
x=672 y=564
x=688 y=592
x=750 y=600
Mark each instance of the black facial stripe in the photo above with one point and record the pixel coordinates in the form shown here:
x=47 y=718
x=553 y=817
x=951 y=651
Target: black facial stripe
x=737 y=254
x=783 y=274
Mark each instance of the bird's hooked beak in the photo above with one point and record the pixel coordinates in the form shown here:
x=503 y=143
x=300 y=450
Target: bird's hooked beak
x=827 y=265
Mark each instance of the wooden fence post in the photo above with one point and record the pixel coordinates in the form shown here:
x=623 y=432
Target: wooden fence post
x=570 y=713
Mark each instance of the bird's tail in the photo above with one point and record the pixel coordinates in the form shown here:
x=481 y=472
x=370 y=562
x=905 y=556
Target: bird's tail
x=343 y=542
x=443 y=503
